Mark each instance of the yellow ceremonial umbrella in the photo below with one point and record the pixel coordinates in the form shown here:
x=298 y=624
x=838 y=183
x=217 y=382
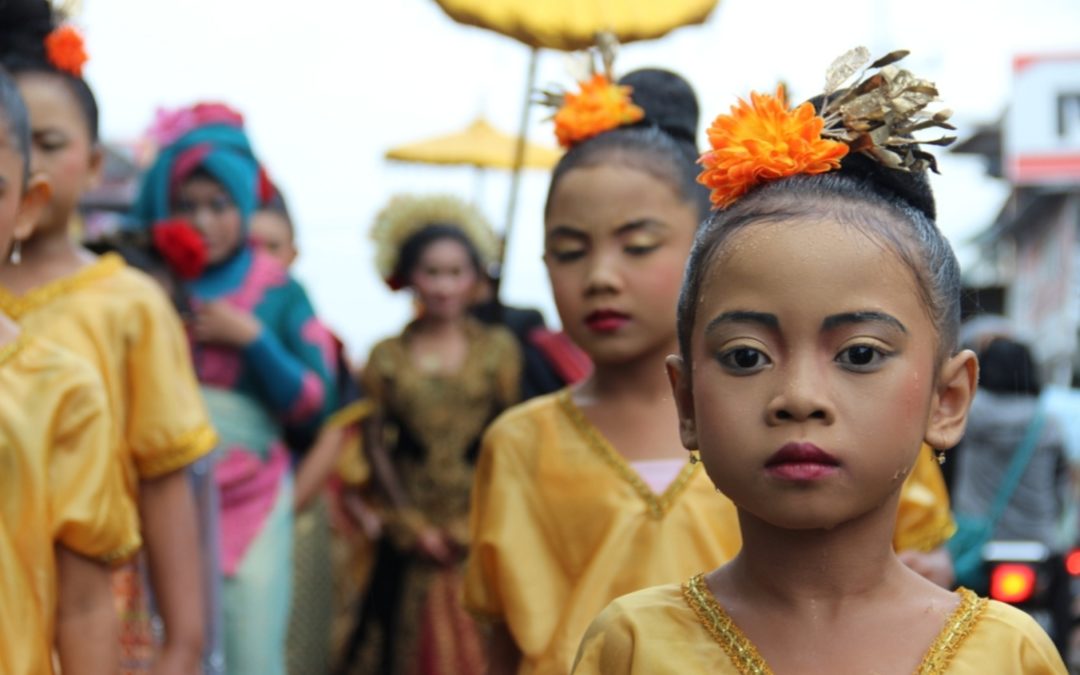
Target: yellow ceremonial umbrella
x=573 y=24
x=480 y=145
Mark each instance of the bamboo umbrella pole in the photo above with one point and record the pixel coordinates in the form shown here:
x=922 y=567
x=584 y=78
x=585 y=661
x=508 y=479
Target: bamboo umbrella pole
x=519 y=160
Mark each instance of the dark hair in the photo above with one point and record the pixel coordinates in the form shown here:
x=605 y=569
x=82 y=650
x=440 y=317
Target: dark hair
x=898 y=209
x=276 y=204
x=24 y=25
x=417 y=244
x=662 y=144
x=16 y=119
x=1007 y=367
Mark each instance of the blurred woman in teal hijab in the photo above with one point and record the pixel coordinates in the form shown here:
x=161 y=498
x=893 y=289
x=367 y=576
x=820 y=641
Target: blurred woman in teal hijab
x=263 y=359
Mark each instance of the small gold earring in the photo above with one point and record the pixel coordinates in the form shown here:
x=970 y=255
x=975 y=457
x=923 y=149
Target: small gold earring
x=695 y=457
x=940 y=455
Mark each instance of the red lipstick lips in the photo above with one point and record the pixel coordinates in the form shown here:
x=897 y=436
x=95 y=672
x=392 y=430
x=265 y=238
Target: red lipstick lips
x=606 y=321
x=801 y=462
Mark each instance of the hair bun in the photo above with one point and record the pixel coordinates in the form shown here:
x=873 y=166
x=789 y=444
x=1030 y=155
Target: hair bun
x=911 y=186
x=668 y=100
x=24 y=25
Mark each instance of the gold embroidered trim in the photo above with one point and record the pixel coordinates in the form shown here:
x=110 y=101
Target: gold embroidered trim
x=748 y=661
x=187 y=448
x=658 y=505
x=17 y=306
x=960 y=624
x=123 y=554
x=12 y=348
x=744 y=656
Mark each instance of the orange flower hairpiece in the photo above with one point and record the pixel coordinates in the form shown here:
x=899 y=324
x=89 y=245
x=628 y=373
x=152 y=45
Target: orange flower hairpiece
x=600 y=106
x=66 y=50
x=761 y=141
x=877 y=116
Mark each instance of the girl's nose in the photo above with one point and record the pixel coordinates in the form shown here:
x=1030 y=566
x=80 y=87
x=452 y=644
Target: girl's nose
x=603 y=276
x=802 y=396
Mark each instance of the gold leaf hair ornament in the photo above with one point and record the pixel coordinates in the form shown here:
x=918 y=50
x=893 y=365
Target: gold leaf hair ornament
x=407 y=215
x=762 y=140
x=599 y=105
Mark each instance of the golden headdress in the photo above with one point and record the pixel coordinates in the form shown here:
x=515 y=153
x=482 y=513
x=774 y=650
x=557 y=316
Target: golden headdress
x=762 y=140
x=407 y=215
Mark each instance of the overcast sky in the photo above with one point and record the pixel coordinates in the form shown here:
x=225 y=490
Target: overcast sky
x=327 y=87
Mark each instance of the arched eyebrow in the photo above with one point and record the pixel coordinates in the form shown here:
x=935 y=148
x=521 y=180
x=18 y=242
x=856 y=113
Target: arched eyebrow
x=642 y=224
x=567 y=232
x=760 y=318
x=848 y=318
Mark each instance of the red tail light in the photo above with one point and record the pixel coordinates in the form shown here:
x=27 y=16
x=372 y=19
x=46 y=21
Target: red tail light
x=1072 y=562
x=1012 y=582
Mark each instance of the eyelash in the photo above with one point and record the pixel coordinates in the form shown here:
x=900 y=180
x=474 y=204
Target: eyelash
x=567 y=256
x=878 y=356
x=570 y=256
x=641 y=250
x=727 y=359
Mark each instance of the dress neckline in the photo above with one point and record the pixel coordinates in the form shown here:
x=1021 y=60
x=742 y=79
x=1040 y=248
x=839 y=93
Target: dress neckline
x=658 y=504
x=18 y=306
x=748 y=661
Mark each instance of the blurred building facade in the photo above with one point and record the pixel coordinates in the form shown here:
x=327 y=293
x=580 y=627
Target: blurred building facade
x=1029 y=264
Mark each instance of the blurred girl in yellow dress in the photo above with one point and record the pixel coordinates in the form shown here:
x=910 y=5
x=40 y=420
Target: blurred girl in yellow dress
x=817 y=354
x=64 y=513
x=120 y=321
x=587 y=494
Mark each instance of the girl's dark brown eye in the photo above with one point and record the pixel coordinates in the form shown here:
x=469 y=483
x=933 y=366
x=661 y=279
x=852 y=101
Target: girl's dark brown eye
x=744 y=360
x=861 y=358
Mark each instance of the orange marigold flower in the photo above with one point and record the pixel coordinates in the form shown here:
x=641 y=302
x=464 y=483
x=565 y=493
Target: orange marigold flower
x=66 y=50
x=762 y=141
x=600 y=106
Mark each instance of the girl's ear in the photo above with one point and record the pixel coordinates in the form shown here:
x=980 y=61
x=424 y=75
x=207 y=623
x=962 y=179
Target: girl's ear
x=679 y=375
x=957 y=380
x=97 y=167
x=35 y=198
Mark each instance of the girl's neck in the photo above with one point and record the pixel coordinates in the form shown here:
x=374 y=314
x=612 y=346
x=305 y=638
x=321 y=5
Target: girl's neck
x=46 y=257
x=435 y=326
x=795 y=567
x=643 y=378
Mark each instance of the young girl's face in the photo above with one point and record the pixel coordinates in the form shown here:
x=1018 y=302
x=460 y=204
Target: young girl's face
x=21 y=201
x=272 y=233
x=210 y=208
x=813 y=373
x=616 y=242
x=444 y=279
x=62 y=148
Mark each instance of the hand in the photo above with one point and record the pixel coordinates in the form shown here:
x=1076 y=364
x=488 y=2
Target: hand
x=177 y=662
x=936 y=565
x=432 y=544
x=220 y=323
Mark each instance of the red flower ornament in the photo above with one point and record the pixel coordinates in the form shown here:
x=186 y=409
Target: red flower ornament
x=182 y=247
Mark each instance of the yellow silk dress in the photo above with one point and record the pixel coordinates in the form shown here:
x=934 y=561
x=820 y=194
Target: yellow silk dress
x=120 y=320
x=60 y=484
x=675 y=629
x=562 y=525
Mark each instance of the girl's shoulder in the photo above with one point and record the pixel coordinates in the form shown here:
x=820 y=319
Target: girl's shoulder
x=1006 y=639
x=635 y=632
